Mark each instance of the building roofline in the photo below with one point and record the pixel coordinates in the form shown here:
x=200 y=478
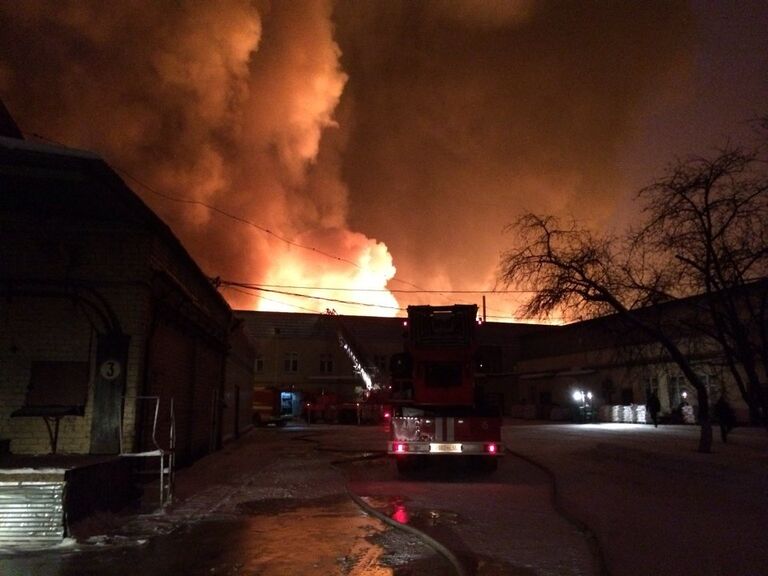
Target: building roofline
x=99 y=170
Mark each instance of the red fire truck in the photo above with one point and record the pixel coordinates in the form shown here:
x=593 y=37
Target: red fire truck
x=439 y=408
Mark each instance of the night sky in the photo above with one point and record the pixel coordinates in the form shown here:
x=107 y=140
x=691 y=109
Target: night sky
x=375 y=145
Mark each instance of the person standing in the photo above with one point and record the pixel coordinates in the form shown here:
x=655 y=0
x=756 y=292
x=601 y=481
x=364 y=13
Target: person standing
x=653 y=406
x=725 y=417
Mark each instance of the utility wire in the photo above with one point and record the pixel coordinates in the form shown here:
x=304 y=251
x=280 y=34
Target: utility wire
x=393 y=290
x=220 y=282
x=296 y=294
x=236 y=218
x=281 y=302
x=218 y=210
x=226 y=214
x=244 y=290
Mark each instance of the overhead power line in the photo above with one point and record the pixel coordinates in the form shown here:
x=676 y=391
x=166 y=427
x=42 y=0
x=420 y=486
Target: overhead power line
x=281 y=302
x=247 y=222
x=325 y=299
x=383 y=290
x=218 y=210
x=221 y=212
x=282 y=289
x=244 y=290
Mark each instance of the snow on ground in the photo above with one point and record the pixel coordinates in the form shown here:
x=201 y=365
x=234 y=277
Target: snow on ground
x=655 y=504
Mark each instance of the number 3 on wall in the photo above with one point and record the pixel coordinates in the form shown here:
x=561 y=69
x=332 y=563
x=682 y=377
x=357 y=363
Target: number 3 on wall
x=110 y=369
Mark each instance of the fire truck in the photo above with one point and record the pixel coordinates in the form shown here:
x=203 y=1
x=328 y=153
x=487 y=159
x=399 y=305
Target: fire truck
x=439 y=408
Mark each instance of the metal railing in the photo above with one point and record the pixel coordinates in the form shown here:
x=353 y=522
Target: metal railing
x=166 y=456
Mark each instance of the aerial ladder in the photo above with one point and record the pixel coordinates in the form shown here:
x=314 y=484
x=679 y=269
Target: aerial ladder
x=367 y=404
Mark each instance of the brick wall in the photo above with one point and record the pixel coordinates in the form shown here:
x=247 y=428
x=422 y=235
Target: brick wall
x=237 y=412
x=32 y=330
x=206 y=400
x=104 y=252
x=184 y=367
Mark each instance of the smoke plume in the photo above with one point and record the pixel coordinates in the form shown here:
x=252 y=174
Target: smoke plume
x=356 y=136
x=223 y=103
x=468 y=113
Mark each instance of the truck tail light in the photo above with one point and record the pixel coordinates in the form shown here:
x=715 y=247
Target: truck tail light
x=491 y=448
x=400 y=447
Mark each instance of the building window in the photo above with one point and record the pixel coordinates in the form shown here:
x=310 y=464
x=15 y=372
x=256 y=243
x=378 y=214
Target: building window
x=291 y=362
x=326 y=363
x=259 y=364
x=676 y=385
x=713 y=386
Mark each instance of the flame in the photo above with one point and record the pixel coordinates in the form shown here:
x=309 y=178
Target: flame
x=250 y=108
x=355 y=283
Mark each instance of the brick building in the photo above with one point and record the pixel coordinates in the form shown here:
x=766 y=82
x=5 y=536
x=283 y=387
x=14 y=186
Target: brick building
x=531 y=370
x=621 y=366
x=101 y=306
x=303 y=355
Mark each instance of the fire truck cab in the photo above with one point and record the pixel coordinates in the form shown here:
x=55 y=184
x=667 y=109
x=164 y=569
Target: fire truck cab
x=438 y=407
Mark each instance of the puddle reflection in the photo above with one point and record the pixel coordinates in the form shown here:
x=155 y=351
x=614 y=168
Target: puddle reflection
x=328 y=539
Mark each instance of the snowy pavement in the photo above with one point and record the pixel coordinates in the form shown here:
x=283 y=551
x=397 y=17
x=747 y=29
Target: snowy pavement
x=654 y=504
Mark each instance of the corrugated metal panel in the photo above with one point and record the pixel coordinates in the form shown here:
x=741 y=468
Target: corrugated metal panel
x=31 y=512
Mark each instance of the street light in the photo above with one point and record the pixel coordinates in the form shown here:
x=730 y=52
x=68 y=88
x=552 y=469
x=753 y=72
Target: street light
x=583 y=404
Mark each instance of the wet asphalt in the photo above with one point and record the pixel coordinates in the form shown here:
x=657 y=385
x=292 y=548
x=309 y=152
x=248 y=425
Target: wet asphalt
x=271 y=504
x=277 y=502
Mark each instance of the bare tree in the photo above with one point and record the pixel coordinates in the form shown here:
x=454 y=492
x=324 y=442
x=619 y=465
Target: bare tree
x=707 y=221
x=571 y=269
x=702 y=242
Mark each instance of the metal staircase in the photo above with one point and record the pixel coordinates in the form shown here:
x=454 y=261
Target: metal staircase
x=165 y=456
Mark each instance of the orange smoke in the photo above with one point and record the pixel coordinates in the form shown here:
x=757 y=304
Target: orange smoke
x=322 y=125
x=224 y=104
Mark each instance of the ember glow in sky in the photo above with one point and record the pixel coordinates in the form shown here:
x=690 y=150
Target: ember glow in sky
x=374 y=145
